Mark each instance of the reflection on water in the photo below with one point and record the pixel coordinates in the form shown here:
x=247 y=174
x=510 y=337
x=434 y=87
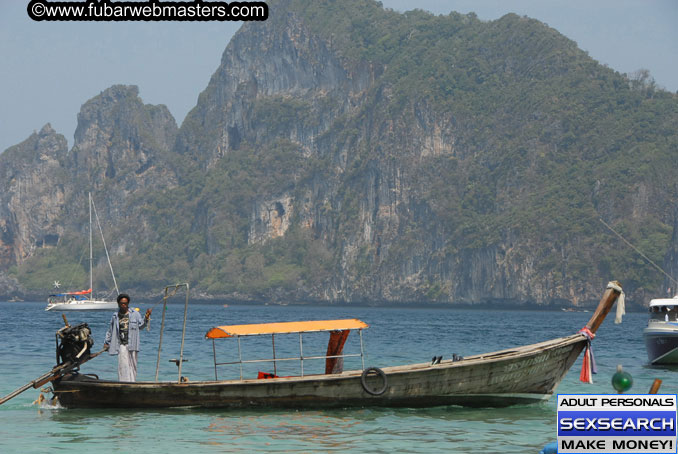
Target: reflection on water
x=308 y=427
x=430 y=430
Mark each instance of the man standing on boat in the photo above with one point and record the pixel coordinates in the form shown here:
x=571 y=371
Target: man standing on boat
x=122 y=338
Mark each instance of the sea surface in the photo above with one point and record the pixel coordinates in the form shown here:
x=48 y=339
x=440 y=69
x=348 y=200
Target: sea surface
x=396 y=336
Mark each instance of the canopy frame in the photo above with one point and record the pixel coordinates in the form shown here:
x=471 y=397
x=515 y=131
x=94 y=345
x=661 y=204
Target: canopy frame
x=239 y=331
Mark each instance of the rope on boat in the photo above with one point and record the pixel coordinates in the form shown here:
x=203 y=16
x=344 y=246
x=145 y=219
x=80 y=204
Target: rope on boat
x=167 y=296
x=639 y=252
x=588 y=366
x=164 y=299
x=110 y=266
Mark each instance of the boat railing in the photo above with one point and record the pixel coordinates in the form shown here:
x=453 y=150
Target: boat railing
x=663 y=319
x=301 y=358
x=293 y=358
x=663 y=314
x=274 y=360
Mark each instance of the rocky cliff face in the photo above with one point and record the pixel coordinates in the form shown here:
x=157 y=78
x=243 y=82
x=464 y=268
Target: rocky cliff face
x=409 y=158
x=120 y=147
x=280 y=80
x=33 y=185
x=117 y=155
x=266 y=66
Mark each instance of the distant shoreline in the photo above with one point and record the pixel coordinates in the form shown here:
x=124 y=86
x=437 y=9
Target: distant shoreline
x=142 y=301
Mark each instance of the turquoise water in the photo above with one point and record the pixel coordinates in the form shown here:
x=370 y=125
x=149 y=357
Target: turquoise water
x=395 y=336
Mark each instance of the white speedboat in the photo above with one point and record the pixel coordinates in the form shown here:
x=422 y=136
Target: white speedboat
x=84 y=300
x=661 y=334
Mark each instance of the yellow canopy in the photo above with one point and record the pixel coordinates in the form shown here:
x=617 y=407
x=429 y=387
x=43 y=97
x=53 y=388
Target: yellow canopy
x=284 y=328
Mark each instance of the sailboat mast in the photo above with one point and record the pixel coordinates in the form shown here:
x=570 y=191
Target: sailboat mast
x=103 y=240
x=89 y=194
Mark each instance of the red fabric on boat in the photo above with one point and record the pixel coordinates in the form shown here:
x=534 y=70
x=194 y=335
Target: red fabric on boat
x=335 y=347
x=588 y=365
x=263 y=375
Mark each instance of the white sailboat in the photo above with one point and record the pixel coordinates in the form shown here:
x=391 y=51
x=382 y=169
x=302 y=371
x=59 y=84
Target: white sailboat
x=84 y=300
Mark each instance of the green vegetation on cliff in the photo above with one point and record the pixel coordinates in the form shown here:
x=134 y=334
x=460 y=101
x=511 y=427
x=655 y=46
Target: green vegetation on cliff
x=443 y=159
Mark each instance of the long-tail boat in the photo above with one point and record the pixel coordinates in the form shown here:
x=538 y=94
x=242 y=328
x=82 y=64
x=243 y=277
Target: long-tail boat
x=520 y=375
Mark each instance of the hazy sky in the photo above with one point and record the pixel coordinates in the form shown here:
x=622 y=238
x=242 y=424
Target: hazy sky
x=49 y=69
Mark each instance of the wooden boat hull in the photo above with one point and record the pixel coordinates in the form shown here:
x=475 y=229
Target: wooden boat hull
x=522 y=375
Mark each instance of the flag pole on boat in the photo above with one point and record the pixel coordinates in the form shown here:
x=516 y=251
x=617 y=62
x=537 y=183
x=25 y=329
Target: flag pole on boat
x=91 y=288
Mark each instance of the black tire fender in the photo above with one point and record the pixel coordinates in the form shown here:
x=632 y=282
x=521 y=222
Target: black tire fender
x=378 y=372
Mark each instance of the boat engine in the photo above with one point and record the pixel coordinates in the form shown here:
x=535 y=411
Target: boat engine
x=73 y=343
